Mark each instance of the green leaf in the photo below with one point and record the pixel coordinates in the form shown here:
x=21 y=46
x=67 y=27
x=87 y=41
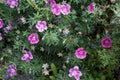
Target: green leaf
x=52 y=77
x=0 y=1
x=54 y=69
x=118 y=14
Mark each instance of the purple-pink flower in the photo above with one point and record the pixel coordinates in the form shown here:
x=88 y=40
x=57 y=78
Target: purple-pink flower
x=112 y=1
x=75 y=72
x=12 y=3
x=91 y=7
x=7 y=76
x=55 y=9
x=46 y=2
x=106 y=42
x=41 y=26
x=80 y=33
x=22 y=19
x=65 y=9
x=33 y=38
x=1 y=23
x=27 y=56
x=9 y=27
x=81 y=53
x=52 y=2
x=65 y=31
x=11 y=71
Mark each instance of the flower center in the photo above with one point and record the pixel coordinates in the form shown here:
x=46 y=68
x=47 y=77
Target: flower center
x=12 y=70
x=26 y=55
x=74 y=73
x=81 y=52
x=106 y=42
x=41 y=25
x=13 y=2
x=33 y=38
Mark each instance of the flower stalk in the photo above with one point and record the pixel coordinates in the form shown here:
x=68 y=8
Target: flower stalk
x=34 y=5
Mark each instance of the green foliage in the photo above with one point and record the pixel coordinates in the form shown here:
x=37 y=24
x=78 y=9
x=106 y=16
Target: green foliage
x=54 y=69
x=51 y=38
x=99 y=64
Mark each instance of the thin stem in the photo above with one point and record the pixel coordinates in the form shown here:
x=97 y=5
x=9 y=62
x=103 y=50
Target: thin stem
x=34 y=5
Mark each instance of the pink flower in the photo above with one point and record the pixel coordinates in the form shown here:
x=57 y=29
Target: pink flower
x=91 y=7
x=52 y=2
x=112 y=1
x=12 y=3
x=55 y=9
x=74 y=72
x=22 y=19
x=106 y=42
x=11 y=71
x=80 y=33
x=65 y=31
x=1 y=23
x=27 y=56
x=9 y=27
x=41 y=26
x=46 y=2
x=65 y=9
x=33 y=38
x=1 y=37
x=80 y=53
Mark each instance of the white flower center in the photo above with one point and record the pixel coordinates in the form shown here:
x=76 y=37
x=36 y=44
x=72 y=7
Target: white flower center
x=74 y=72
x=12 y=70
x=26 y=55
x=33 y=38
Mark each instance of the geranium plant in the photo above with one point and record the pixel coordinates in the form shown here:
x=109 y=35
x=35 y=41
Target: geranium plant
x=59 y=39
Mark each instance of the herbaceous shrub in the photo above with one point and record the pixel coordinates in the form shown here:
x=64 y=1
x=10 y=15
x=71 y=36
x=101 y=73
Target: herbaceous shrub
x=59 y=39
